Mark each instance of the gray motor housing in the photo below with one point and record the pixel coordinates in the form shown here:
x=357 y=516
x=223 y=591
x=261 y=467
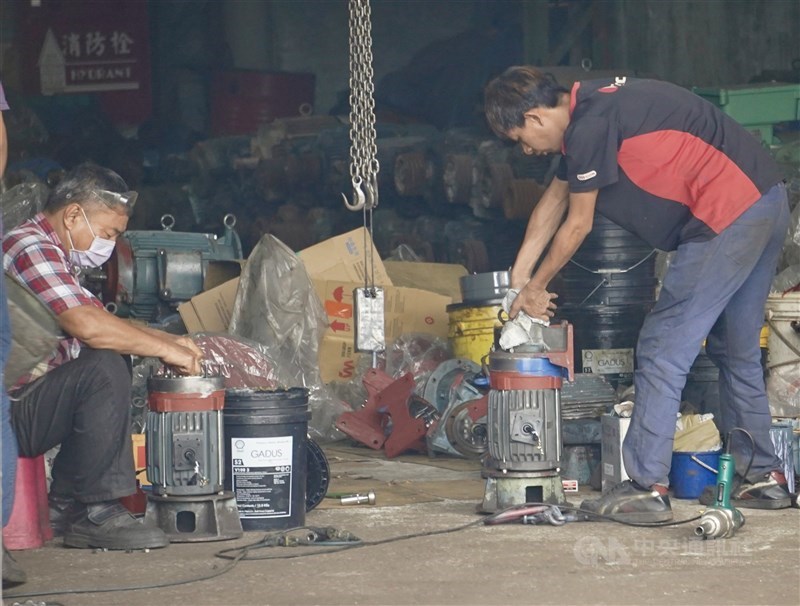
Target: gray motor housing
x=524 y=430
x=175 y=441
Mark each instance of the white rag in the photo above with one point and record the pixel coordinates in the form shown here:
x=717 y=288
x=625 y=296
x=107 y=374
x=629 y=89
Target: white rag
x=521 y=330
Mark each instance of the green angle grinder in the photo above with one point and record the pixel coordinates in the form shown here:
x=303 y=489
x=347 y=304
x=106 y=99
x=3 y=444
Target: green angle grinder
x=721 y=520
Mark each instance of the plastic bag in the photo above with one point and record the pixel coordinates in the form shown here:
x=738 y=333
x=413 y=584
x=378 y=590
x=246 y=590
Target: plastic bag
x=276 y=306
x=403 y=253
x=783 y=390
x=417 y=353
x=781 y=434
x=696 y=433
x=787 y=280
x=245 y=364
x=791 y=245
x=22 y=202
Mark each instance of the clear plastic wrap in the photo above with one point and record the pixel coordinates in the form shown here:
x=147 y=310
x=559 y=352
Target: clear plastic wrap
x=417 y=353
x=403 y=253
x=787 y=280
x=791 y=245
x=245 y=364
x=21 y=202
x=276 y=306
x=783 y=390
x=782 y=435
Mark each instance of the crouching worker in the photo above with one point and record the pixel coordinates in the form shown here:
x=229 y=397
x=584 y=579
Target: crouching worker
x=80 y=397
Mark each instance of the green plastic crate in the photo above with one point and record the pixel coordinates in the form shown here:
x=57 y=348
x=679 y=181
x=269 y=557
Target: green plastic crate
x=757 y=107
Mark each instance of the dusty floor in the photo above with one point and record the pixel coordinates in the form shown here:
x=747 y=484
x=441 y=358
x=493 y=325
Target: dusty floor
x=581 y=563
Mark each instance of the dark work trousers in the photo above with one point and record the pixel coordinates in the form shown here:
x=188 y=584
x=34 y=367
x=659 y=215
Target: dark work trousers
x=715 y=289
x=84 y=405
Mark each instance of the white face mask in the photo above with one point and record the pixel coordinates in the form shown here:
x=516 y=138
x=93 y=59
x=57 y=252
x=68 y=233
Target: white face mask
x=99 y=252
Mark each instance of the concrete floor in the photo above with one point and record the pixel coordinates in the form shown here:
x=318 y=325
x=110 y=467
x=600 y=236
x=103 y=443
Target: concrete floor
x=581 y=563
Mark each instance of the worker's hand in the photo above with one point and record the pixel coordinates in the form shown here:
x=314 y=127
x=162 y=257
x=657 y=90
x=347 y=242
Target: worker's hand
x=183 y=359
x=187 y=342
x=518 y=279
x=534 y=301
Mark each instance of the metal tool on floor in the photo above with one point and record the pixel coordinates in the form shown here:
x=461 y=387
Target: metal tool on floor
x=721 y=520
x=358 y=499
x=185 y=460
x=524 y=421
x=535 y=514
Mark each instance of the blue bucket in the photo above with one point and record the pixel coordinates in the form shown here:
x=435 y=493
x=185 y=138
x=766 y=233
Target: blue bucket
x=687 y=477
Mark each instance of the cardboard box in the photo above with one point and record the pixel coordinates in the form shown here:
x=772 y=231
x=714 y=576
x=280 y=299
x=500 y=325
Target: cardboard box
x=344 y=259
x=140 y=457
x=407 y=310
x=210 y=311
x=613 y=430
x=441 y=278
x=336 y=268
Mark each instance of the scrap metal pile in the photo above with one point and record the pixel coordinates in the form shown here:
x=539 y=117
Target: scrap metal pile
x=461 y=186
x=449 y=417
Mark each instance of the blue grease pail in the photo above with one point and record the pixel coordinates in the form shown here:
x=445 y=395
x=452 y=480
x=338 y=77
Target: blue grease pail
x=687 y=477
x=265 y=456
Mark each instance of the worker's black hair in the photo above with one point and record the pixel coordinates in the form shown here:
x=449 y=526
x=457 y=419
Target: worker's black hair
x=516 y=91
x=88 y=185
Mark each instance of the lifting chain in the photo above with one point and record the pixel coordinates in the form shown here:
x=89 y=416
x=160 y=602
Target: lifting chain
x=363 y=148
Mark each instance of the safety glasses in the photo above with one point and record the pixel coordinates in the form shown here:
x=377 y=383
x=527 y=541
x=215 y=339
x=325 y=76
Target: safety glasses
x=127 y=198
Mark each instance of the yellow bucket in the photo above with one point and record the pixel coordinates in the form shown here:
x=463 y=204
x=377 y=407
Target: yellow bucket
x=763 y=338
x=471 y=330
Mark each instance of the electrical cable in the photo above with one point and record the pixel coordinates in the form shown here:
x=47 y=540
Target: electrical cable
x=752 y=448
x=591 y=514
x=205 y=577
x=238 y=554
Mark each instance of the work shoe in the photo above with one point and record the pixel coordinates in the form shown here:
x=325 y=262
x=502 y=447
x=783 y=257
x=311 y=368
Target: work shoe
x=109 y=525
x=12 y=572
x=767 y=491
x=60 y=509
x=629 y=502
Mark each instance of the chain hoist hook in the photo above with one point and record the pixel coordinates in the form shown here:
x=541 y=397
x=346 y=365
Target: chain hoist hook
x=371 y=193
x=359 y=198
x=373 y=189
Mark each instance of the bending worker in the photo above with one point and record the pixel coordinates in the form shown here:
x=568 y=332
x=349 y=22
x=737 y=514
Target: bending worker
x=79 y=397
x=677 y=172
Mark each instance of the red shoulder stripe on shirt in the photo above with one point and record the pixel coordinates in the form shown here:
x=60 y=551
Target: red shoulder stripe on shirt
x=679 y=166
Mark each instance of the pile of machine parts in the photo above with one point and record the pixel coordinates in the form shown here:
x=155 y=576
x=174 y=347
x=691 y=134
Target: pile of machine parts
x=448 y=415
x=508 y=414
x=465 y=187
x=150 y=272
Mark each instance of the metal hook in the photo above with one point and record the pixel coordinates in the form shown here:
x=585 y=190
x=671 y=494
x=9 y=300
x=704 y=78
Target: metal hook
x=372 y=191
x=371 y=197
x=359 y=198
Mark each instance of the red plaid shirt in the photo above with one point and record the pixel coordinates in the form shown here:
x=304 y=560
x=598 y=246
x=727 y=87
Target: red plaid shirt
x=33 y=254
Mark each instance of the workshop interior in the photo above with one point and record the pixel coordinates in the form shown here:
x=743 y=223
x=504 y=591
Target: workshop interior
x=323 y=209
